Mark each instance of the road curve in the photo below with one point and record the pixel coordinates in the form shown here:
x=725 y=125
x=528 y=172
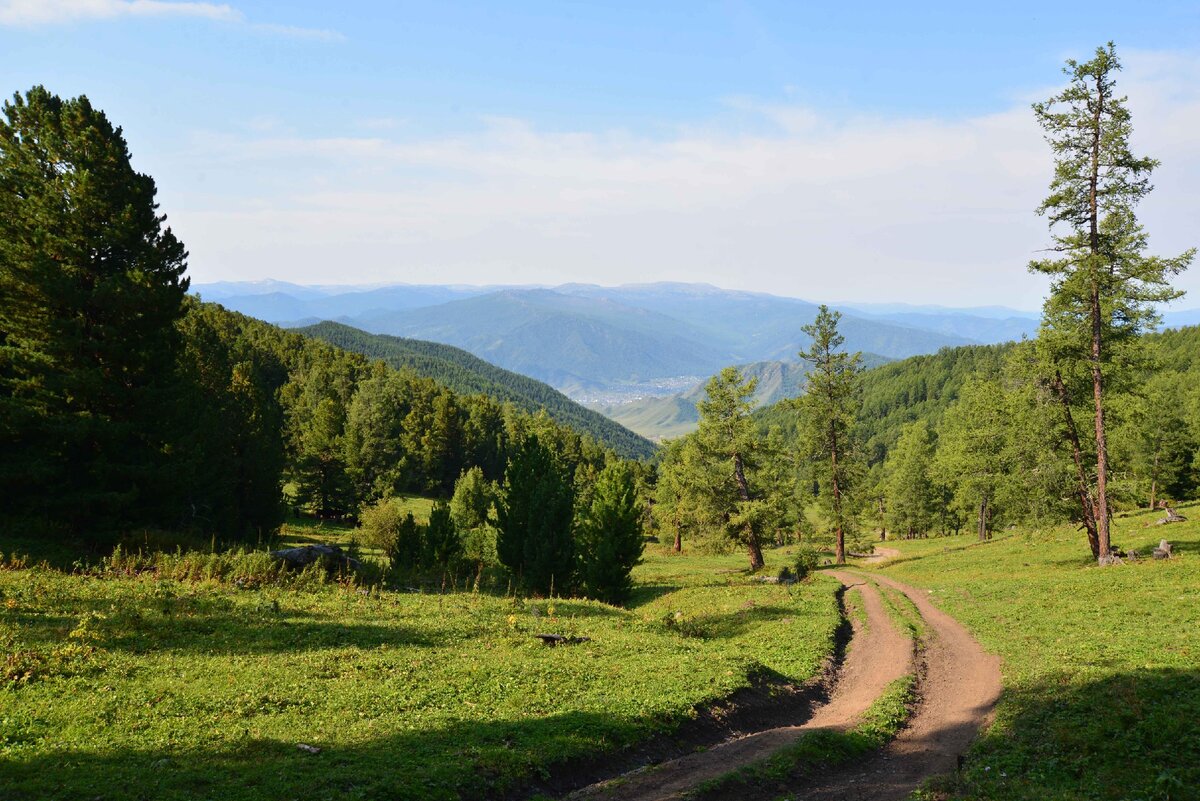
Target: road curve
x=959 y=690
x=878 y=654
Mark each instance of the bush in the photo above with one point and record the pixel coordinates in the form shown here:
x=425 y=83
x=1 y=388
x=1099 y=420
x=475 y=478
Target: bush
x=381 y=525
x=806 y=562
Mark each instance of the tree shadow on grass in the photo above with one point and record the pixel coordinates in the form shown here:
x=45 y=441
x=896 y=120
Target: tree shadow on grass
x=727 y=625
x=648 y=593
x=532 y=756
x=210 y=626
x=1133 y=735
x=1129 y=736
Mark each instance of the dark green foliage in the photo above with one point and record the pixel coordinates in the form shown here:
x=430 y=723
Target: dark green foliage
x=409 y=546
x=611 y=539
x=911 y=494
x=806 y=562
x=1104 y=289
x=828 y=412
x=92 y=284
x=230 y=454
x=443 y=545
x=466 y=374
x=535 y=518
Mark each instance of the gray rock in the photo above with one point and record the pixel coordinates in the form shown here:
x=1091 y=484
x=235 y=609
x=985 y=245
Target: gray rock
x=332 y=557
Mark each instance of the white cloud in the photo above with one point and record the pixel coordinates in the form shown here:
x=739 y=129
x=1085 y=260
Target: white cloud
x=29 y=13
x=921 y=209
x=47 y=12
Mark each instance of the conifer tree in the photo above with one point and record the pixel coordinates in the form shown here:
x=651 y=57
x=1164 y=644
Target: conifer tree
x=1103 y=285
x=828 y=410
x=911 y=496
x=535 y=520
x=728 y=445
x=92 y=284
x=611 y=540
x=971 y=450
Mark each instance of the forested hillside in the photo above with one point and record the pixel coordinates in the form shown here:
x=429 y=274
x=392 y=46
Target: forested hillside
x=470 y=375
x=665 y=417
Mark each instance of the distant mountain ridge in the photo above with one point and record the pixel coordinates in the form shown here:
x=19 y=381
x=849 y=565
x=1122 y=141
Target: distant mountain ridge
x=469 y=375
x=604 y=344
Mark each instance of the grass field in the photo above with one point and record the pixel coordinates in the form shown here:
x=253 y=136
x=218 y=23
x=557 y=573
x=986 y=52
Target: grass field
x=1101 y=665
x=119 y=686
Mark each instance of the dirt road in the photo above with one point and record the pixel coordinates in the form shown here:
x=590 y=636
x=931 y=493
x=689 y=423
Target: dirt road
x=959 y=688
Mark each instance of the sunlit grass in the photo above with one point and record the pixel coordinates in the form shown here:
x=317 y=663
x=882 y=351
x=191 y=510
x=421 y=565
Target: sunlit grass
x=205 y=689
x=1101 y=665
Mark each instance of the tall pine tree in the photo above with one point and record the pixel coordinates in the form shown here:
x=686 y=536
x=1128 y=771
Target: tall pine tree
x=92 y=285
x=535 y=518
x=829 y=408
x=1103 y=285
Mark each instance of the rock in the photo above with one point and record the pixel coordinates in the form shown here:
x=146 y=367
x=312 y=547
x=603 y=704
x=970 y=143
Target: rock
x=1172 y=517
x=560 y=639
x=332 y=557
x=1163 y=551
x=308 y=749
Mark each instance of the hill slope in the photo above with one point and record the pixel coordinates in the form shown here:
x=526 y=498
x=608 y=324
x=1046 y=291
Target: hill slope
x=469 y=375
x=675 y=415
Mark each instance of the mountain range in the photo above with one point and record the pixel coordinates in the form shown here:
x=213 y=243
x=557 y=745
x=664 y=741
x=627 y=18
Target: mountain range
x=635 y=351
x=608 y=343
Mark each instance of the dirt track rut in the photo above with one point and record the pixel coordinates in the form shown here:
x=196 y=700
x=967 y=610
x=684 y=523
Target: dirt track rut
x=960 y=685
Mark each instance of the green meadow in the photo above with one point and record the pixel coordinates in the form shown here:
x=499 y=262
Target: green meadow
x=137 y=684
x=1101 y=665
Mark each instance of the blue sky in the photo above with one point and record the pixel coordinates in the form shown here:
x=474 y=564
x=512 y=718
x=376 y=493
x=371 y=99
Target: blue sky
x=874 y=152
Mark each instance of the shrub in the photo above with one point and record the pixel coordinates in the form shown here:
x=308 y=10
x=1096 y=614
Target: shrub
x=806 y=562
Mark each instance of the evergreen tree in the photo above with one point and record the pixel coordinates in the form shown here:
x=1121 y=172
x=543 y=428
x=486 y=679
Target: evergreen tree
x=971 y=449
x=443 y=546
x=1162 y=445
x=611 y=539
x=322 y=484
x=912 y=497
x=677 y=491
x=828 y=410
x=728 y=445
x=471 y=504
x=534 y=518
x=92 y=284
x=1103 y=286
x=410 y=544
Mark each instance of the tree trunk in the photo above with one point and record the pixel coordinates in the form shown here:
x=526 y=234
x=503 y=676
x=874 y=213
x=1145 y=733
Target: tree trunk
x=753 y=548
x=1101 y=508
x=840 y=547
x=1086 y=504
x=882 y=524
x=983 y=517
x=1154 y=482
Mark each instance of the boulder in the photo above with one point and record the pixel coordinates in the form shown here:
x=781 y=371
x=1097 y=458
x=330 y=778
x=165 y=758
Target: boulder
x=1163 y=551
x=332 y=557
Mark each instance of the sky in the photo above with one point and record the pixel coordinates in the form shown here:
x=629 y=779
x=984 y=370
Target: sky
x=874 y=152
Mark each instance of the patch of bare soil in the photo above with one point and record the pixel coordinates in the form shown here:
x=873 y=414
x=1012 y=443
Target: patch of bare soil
x=959 y=690
x=878 y=655
x=880 y=554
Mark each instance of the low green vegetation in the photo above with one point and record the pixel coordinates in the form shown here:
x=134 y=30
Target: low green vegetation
x=1101 y=665
x=194 y=683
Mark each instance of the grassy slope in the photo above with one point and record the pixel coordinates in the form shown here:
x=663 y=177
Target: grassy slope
x=1101 y=666
x=469 y=375
x=145 y=687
